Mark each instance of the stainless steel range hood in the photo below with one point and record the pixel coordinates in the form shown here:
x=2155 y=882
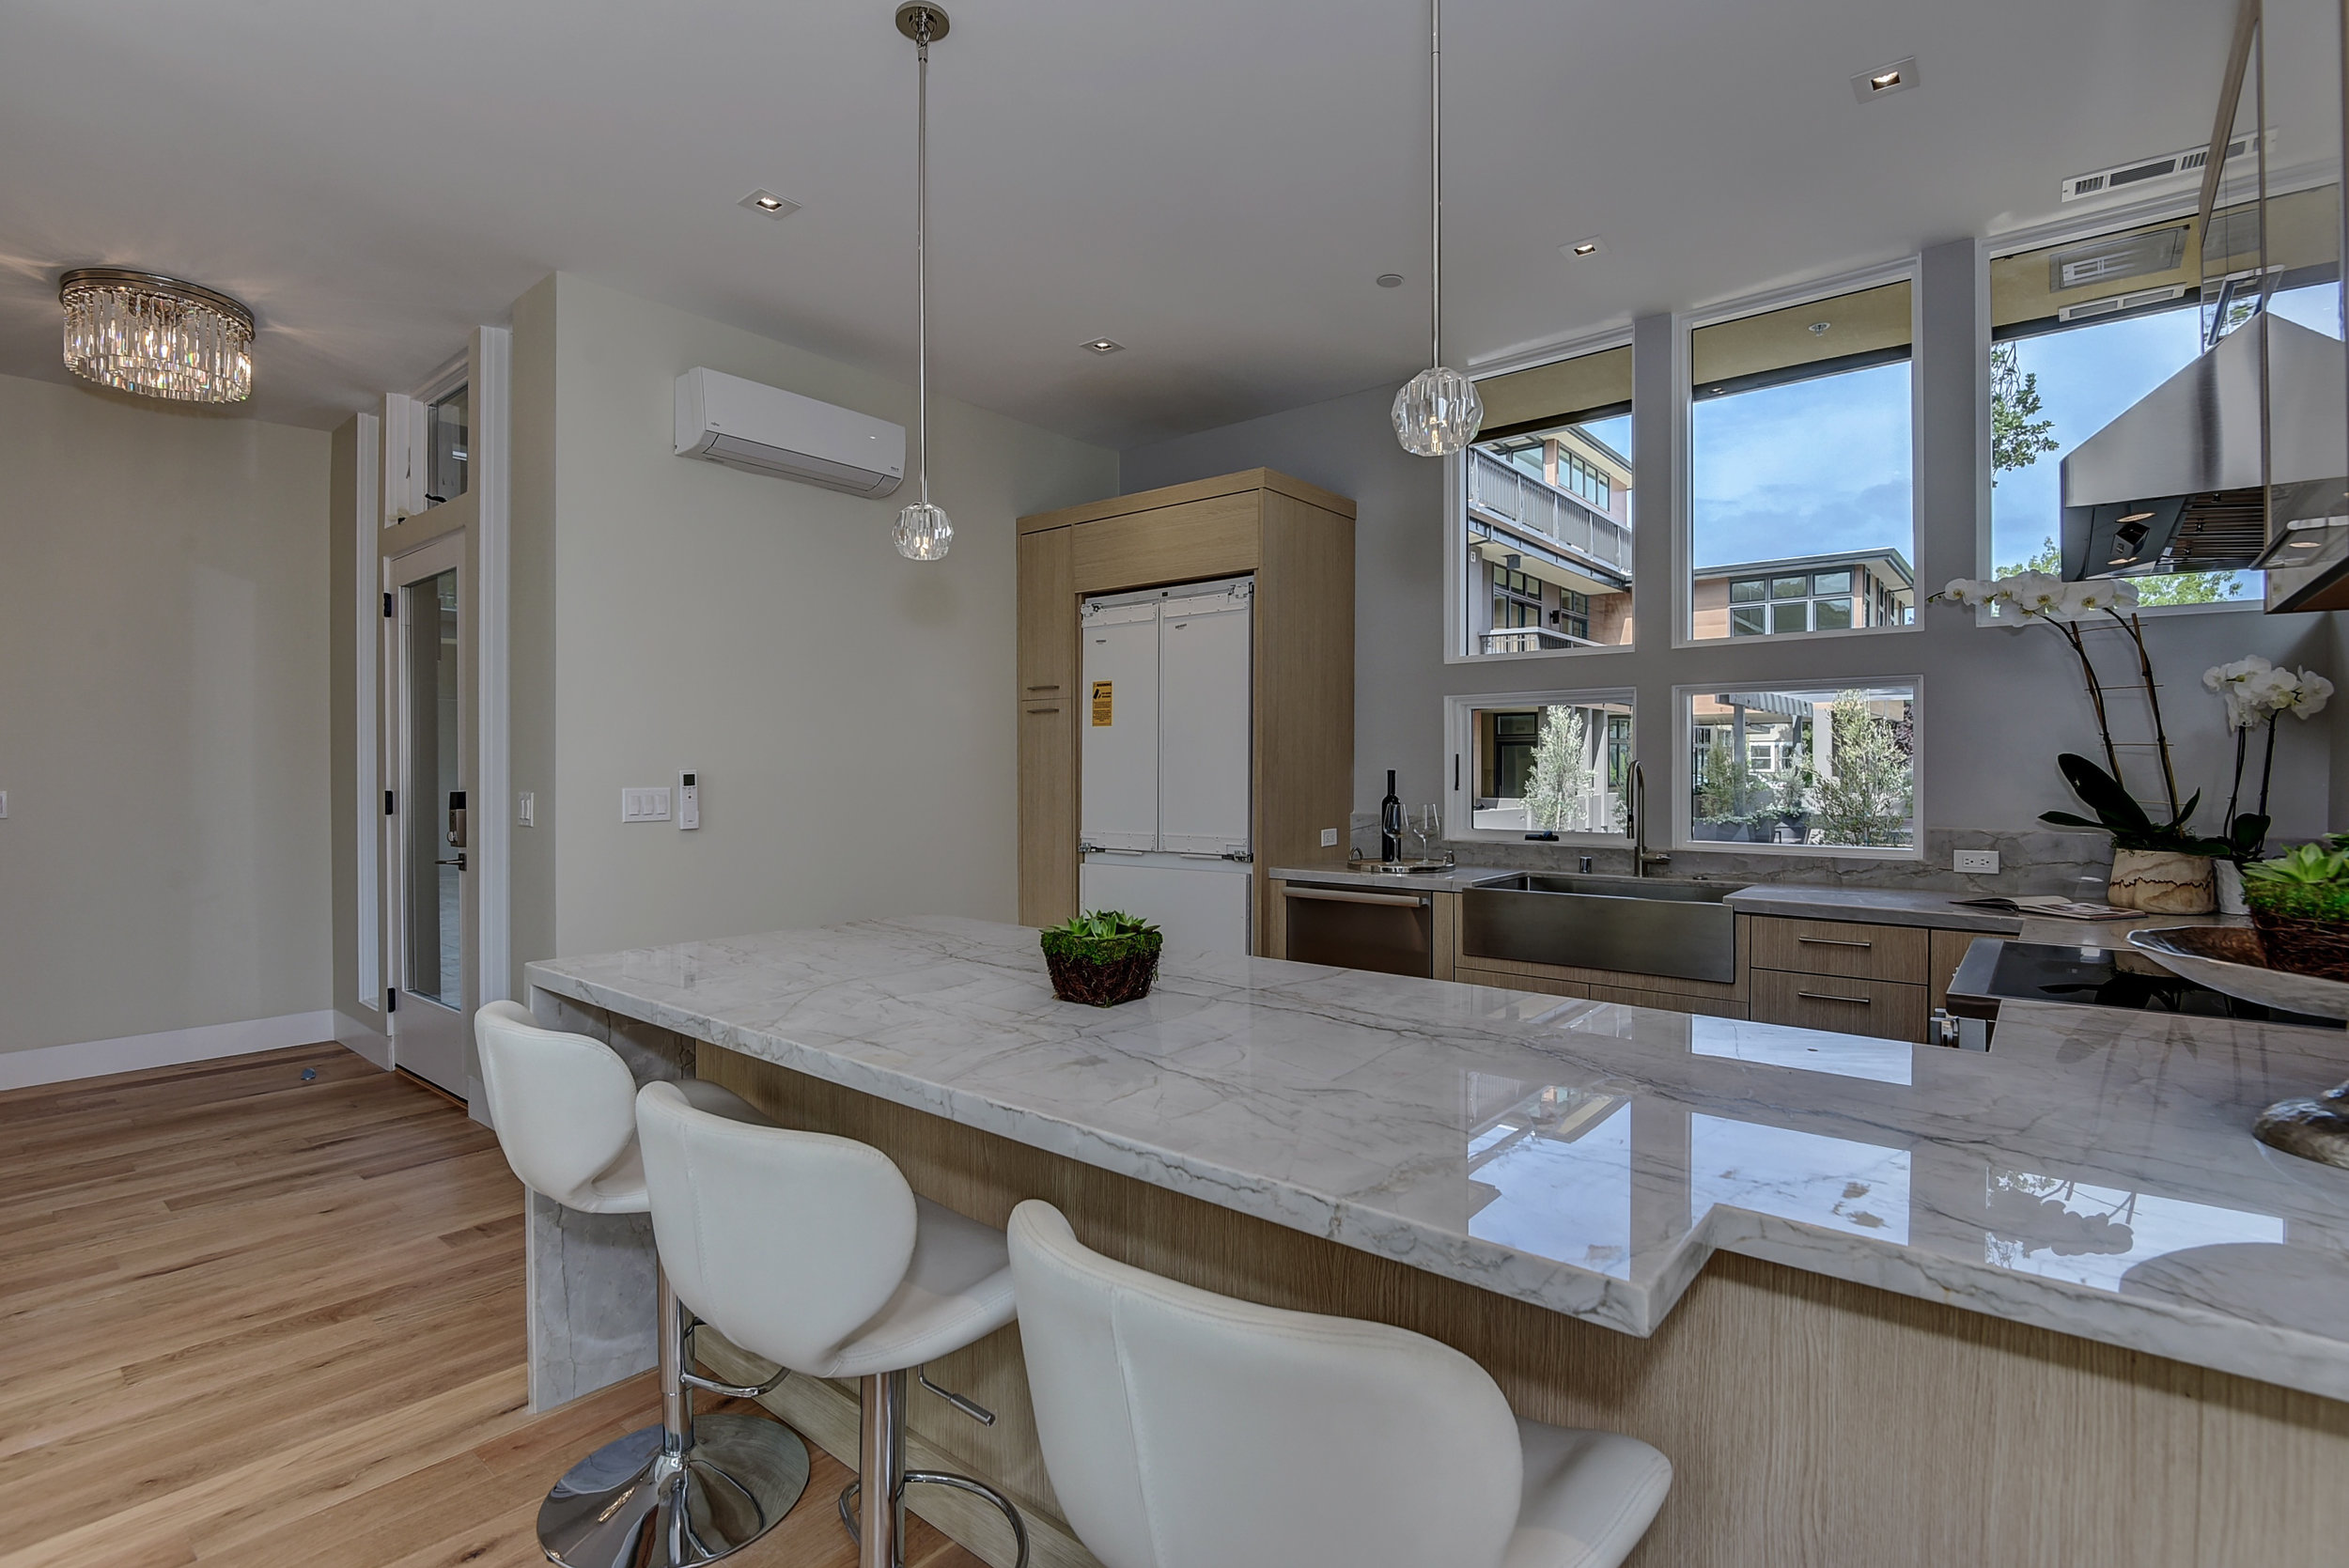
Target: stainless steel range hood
x=2175 y=483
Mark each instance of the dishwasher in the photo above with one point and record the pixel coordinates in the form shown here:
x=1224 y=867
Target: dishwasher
x=1355 y=928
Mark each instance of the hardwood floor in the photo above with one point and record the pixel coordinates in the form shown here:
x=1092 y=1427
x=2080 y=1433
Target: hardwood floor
x=250 y=1319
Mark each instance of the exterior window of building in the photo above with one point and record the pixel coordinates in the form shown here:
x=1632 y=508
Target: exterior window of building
x=1801 y=433
x=1816 y=767
x=1546 y=543
x=2083 y=330
x=1546 y=762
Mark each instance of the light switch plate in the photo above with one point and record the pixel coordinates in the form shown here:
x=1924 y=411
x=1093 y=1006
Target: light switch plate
x=1329 y=838
x=1978 y=862
x=645 y=805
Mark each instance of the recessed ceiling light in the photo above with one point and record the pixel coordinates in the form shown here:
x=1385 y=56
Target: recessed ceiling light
x=1899 y=76
x=2137 y=516
x=1583 y=247
x=769 y=204
x=1390 y=280
x=1818 y=329
x=1103 y=346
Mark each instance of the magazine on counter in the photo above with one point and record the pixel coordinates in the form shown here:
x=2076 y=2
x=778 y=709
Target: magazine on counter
x=2053 y=903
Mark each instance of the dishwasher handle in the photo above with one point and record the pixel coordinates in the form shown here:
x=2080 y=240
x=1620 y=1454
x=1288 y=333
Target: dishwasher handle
x=1339 y=895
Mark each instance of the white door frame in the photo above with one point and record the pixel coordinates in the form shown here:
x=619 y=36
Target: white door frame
x=395 y=521
x=417 y=1022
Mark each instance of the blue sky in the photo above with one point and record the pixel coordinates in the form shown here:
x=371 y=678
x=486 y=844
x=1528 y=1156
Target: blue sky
x=1825 y=465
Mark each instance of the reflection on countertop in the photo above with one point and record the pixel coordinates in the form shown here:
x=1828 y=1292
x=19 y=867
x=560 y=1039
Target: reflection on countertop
x=2094 y=1175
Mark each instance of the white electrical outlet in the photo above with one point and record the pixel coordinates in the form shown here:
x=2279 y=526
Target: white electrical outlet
x=1329 y=838
x=526 y=810
x=1978 y=862
x=645 y=805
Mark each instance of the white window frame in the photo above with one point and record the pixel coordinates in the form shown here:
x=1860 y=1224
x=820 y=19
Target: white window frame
x=2066 y=232
x=1684 y=733
x=1456 y=586
x=1459 y=729
x=1910 y=270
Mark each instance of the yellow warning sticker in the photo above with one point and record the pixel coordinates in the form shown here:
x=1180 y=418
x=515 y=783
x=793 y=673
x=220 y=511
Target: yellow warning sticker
x=1101 y=705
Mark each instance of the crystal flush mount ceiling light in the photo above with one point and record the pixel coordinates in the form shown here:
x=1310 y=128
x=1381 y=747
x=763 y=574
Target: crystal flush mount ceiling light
x=157 y=336
x=1437 y=411
x=923 y=531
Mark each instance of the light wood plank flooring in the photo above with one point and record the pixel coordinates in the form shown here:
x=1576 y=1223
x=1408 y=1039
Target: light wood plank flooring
x=249 y=1319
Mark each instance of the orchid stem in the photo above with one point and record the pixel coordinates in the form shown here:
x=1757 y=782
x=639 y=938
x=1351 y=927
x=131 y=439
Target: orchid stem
x=2234 y=791
x=2152 y=699
x=2096 y=695
x=2267 y=769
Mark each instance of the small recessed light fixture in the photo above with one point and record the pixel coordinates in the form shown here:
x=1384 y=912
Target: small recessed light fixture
x=1103 y=346
x=2303 y=544
x=1390 y=280
x=769 y=204
x=1583 y=247
x=2138 y=517
x=1899 y=76
x=1818 y=329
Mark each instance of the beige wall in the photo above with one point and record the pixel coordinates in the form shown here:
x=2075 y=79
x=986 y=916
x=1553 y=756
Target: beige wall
x=163 y=713
x=846 y=711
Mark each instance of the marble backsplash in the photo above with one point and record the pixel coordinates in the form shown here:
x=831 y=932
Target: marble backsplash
x=2030 y=860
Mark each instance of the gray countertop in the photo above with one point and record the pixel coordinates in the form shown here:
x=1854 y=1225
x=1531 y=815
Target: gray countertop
x=2095 y=1173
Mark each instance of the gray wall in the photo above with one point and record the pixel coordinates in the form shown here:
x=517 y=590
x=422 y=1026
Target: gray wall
x=164 y=718
x=848 y=711
x=1998 y=702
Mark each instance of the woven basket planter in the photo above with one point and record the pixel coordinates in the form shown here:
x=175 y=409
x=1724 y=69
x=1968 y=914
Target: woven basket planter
x=2302 y=945
x=1099 y=984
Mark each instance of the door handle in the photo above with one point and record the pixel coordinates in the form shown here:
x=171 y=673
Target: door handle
x=458 y=862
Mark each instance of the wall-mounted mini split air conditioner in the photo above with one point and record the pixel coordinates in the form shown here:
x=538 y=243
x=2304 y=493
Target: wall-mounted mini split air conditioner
x=764 y=429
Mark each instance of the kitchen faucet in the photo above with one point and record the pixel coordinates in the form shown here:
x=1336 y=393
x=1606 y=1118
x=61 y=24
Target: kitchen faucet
x=1640 y=858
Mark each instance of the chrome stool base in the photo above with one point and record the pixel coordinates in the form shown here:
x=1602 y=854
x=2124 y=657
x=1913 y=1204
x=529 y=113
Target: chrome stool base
x=617 y=1507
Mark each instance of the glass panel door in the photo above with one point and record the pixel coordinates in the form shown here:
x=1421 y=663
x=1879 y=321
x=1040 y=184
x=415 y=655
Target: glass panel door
x=431 y=766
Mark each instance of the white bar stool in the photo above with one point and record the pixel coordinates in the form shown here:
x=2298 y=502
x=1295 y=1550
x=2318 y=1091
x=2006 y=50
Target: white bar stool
x=812 y=1251
x=1183 y=1429
x=688 y=1489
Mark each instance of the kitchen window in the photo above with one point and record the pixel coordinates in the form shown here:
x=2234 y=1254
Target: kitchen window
x=1544 y=548
x=2083 y=329
x=1538 y=763
x=1822 y=770
x=1802 y=514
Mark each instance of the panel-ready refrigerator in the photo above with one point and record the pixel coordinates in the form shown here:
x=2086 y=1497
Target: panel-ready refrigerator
x=1165 y=791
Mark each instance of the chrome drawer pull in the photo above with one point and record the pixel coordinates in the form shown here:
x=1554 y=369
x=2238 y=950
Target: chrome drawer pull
x=1831 y=942
x=1825 y=996
x=1332 y=895
x=1043 y=687
x=1044 y=710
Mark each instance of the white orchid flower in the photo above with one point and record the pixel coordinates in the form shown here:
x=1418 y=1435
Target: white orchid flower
x=2271 y=690
x=2037 y=594
x=2092 y=597
x=2222 y=677
x=2309 y=695
x=1969 y=591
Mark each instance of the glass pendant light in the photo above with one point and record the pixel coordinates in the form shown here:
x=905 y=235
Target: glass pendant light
x=1437 y=411
x=923 y=532
x=157 y=336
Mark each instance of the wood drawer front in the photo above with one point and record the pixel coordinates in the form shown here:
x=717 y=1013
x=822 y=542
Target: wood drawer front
x=1843 y=1004
x=1661 y=1000
x=1895 y=953
x=1543 y=984
x=1215 y=537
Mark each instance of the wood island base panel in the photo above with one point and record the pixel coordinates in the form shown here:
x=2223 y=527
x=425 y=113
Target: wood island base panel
x=1880 y=1303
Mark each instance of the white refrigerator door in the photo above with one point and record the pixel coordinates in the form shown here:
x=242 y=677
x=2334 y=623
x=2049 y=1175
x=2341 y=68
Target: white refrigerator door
x=1201 y=907
x=1119 y=796
x=1205 y=659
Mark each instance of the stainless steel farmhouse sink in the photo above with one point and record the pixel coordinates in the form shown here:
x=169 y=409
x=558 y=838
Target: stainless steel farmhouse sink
x=1637 y=924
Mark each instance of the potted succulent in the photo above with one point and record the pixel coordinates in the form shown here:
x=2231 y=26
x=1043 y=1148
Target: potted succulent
x=2301 y=905
x=1102 y=959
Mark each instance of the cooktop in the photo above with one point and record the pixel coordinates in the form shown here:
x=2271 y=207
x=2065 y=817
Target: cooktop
x=1995 y=972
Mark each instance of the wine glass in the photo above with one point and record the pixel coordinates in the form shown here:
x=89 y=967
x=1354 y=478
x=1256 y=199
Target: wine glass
x=1430 y=831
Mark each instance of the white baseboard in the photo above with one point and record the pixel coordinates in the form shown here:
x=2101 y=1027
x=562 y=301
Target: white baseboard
x=364 y=1040
x=172 y=1047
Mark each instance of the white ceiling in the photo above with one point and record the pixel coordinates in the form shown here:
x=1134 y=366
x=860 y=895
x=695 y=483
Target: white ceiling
x=1214 y=183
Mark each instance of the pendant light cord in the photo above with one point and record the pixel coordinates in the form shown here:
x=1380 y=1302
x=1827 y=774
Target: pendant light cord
x=1435 y=184
x=920 y=243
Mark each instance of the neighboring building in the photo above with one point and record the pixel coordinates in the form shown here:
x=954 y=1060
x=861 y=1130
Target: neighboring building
x=1804 y=592
x=1549 y=543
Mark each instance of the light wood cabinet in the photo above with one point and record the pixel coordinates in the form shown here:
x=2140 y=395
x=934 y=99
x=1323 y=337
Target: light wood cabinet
x=1854 y=977
x=1840 y=1003
x=1299 y=541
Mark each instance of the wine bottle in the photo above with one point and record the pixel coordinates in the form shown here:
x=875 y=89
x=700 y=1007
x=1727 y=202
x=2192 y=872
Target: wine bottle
x=1390 y=823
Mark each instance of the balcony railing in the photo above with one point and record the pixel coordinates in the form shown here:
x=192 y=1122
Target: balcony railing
x=1501 y=493
x=1531 y=639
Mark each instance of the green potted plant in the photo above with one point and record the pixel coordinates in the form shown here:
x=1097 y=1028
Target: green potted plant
x=2300 y=903
x=1102 y=959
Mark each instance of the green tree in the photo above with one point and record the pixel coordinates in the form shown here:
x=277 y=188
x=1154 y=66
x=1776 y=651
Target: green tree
x=1560 y=777
x=1867 y=800
x=2017 y=438
x=2186 y=587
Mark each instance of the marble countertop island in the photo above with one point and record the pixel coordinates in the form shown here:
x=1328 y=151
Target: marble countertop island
x=2093 y=1175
